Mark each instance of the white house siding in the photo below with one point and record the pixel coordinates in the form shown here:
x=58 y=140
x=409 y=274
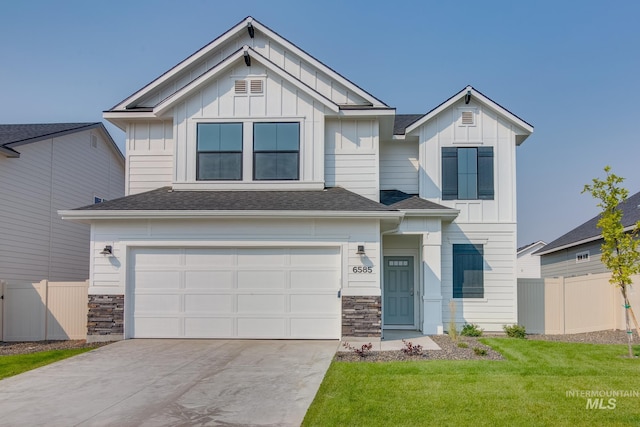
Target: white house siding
x=276 y=53
x=150 y=151
x=499 y=305
x=351 y=156
x=528 y=265
x=399 y=166
x=59 y=173
x=280 y=101
x=108 y=276
x=490 y=131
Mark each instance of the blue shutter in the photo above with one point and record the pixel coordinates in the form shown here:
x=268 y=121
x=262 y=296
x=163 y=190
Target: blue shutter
x=485 y=173
x=449 y=173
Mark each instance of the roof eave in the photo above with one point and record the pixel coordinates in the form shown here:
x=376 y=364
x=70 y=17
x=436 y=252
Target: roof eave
x=9 y=152
x=441 y=213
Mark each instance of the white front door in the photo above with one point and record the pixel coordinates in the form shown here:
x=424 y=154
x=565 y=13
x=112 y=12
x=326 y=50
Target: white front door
x=235 y=293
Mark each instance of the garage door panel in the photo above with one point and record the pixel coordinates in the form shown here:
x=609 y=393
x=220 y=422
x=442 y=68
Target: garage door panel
x=261 y=327
x=314 y=279
x=208 y=257
x=157 y=303
x=207 y=327
x=313 y=328
x=208 y=280
x=314 y=303
x=261 y=279
x=261 y=257
x=157 y=279
x=157 y=257
x=157 y=327
x=202 y=303
x=257 y=303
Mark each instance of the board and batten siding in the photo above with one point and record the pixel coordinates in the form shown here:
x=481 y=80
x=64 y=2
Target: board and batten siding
x=150 y=153
x=499 y=305
x=279 y=102
x=564 y=263
x=399 y=166
x=351 y=156
x=490 y=130
x=276 y=53
x=55 y=174
x=108 y=276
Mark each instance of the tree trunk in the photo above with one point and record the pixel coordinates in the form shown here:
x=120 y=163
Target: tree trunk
x=627 y=306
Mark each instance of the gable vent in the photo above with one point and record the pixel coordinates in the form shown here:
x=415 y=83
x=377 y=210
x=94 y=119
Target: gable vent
x=241 y=86
x=467 y=117
x=94 y=141
x=256 y=86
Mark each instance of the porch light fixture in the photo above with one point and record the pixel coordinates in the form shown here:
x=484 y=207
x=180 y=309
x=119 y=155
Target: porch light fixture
x=360 y=250
x=108 y=250
x=467 y=97
x=247 y=58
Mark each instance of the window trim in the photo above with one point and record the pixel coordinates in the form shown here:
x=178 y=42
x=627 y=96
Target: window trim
x=254 y=151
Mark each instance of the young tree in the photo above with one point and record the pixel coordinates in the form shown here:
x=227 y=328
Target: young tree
x=620 y=248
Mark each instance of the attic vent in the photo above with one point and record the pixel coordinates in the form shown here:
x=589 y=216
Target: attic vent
x=256 y=86
x=94 y=141
x=467 y=117
x=241 y=86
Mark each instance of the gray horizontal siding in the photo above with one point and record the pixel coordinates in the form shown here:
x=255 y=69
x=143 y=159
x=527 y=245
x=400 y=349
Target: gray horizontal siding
x=563 y=263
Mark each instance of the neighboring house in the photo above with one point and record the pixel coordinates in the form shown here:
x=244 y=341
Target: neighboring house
x=577 y=252
x=528 y=264
x=270 y=197
x=44 y=168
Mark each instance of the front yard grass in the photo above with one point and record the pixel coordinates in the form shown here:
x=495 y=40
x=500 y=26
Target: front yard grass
x=19 y=363
x=529 y=388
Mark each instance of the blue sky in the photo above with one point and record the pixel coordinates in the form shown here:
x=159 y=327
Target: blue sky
x=566 y=67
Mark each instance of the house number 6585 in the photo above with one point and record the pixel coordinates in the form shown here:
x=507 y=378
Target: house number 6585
x=363 y=269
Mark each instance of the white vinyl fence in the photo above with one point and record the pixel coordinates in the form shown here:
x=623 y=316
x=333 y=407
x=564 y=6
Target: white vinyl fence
x=573 y=305
x=43 y=311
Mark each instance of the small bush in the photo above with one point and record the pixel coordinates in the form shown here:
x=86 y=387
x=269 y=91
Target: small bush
x=463 y=345
x=410 y=349
x=479 y=351
x=362 y=351
x=515 y=331
x=471 y=330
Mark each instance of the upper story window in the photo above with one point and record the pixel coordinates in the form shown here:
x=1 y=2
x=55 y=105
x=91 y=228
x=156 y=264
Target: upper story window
x=219 y=151
x=582 y=256
x=276 y=151
x=97 y=200
x=467 y=173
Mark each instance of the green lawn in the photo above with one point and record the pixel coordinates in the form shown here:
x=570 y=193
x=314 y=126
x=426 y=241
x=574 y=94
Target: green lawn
x=529 y=388
x=17 y=364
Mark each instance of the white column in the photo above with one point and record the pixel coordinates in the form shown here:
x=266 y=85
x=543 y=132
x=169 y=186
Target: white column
x=432 y=278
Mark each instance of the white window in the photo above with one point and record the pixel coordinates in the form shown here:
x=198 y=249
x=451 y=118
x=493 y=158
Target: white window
x=582 y=256
x=97 y=199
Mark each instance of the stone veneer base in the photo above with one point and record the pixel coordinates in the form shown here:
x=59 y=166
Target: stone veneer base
x=105 y=320
x=361 y=316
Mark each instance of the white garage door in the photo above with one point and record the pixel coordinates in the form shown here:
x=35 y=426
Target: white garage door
x=235 y=293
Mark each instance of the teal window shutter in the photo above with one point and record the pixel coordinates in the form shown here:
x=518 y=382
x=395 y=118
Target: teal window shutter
x=449 y=173
x=485 y=173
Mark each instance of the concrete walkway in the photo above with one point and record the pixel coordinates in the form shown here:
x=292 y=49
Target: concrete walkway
x=172 y=382
x=392 y=340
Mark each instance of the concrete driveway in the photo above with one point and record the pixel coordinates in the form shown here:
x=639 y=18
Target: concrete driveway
x=172 y=382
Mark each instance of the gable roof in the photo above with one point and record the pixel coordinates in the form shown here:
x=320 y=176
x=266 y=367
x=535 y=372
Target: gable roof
x=477 y=96
x=529 y=246
x=589 y=231
x=165 y=202
x=242 y=26
x=414 y=205
x=14 y=135
x=402 y=121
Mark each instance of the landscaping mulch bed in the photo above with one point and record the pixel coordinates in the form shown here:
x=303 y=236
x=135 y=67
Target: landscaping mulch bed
x=452 y=350
x=9 y=348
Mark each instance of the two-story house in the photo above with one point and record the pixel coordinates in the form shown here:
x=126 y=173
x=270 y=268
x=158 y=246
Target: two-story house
x=270 y=197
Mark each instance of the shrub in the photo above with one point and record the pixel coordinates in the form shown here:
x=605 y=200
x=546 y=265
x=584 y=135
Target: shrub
x=515 y=331
x=410 y=349
x=479 y=351
x=463 y=345
x=471 y=330
x=362 y=351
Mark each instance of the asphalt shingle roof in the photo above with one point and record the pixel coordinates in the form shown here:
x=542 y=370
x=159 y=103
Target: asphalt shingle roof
x=330 y=199
x=630 y=215
x=400 y=200
x=23 y=133
x=402 y=121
